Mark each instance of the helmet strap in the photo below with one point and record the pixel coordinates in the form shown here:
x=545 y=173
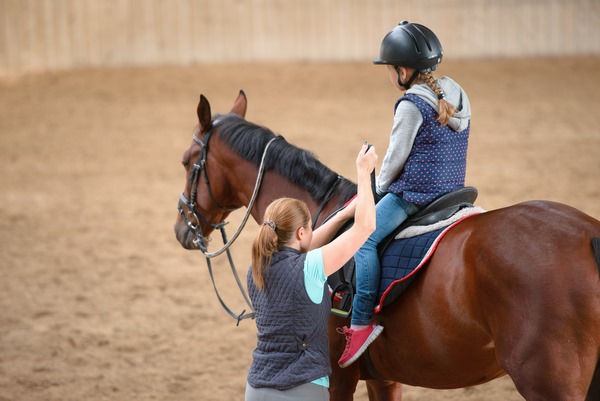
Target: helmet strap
x=410 y=81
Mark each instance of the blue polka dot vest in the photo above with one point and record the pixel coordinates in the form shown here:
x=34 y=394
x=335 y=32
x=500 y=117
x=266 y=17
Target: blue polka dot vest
x=437 y=162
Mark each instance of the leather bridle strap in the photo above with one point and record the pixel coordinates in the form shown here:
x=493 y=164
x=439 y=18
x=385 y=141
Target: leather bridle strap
x=201 y=166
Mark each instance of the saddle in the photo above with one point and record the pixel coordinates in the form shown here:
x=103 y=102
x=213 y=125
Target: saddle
x=444 y=207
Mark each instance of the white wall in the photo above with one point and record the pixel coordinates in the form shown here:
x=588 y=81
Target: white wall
x=62 y=34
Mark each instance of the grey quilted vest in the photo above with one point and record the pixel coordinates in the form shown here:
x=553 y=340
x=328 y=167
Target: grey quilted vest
x=292 y=346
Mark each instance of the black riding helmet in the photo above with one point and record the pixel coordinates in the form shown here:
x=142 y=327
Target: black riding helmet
x=411 y=45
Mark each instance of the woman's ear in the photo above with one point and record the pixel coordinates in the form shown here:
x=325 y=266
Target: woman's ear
x=300 y=233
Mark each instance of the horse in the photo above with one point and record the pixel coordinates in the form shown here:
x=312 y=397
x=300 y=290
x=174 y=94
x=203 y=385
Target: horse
x=510 y=291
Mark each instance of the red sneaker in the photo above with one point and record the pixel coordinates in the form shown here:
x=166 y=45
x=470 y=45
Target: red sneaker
x=357 y=342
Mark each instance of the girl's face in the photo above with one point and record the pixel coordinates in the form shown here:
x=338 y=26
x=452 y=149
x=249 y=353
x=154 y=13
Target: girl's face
x=394 y=76
x=402 y=72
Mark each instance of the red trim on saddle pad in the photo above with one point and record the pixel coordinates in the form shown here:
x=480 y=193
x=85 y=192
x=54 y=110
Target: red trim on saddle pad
x=427 y=256
x=351 y=199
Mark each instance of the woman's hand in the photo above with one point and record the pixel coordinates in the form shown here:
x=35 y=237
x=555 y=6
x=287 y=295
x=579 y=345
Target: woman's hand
x=338 y=252
x=366 y=159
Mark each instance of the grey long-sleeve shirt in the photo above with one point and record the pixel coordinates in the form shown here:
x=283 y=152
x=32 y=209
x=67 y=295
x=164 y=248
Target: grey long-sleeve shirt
x=407 y=121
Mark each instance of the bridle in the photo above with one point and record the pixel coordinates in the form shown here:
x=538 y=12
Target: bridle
x=195 y=221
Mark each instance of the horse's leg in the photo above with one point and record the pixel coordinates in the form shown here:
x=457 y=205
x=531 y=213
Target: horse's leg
x=342 y=382
x=551 y=351
x=594 y=390
x=546 y=327
x=383 y=390
x=552 y=371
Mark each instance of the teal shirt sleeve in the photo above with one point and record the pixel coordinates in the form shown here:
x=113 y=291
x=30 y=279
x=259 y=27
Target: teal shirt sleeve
x=314 y=282
x=314 y=275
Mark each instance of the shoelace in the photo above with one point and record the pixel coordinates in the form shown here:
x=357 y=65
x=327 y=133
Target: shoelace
x=348 y=333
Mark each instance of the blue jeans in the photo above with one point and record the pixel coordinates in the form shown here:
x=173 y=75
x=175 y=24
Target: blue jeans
x=391 y=211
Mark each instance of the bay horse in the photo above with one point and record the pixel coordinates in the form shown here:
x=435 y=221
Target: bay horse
x=510 y=291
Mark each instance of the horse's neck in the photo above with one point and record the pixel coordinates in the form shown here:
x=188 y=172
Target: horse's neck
x=275 y=186
x=242 y=177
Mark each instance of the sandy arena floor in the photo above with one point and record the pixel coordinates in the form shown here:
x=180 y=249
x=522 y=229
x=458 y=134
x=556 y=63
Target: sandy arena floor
x=98 y=301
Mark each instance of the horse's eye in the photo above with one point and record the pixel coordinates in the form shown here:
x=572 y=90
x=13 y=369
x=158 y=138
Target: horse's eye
x=185 y=164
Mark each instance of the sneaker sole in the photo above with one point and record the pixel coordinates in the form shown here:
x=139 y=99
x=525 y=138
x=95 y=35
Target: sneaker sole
x=376 y=332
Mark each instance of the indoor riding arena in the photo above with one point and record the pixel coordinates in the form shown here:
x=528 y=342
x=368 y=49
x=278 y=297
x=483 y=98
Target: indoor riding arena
x=98 y=300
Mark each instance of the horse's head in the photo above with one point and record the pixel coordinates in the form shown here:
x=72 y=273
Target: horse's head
x=204 y=204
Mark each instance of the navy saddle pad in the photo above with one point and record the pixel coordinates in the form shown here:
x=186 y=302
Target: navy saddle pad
x=400 y=262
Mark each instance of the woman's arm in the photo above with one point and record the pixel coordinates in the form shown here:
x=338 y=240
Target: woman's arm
x=324 y=234
x=338 y=252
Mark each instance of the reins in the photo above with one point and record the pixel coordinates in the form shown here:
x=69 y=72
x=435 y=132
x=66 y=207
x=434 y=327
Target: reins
x=200 y=241
x=220 y=226
x=227 y=244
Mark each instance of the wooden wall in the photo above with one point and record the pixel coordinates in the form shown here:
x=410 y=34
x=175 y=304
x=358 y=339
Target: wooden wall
x=62 y=34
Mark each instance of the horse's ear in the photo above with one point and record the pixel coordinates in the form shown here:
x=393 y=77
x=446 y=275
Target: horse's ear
x=204 y=114
x=240 y=104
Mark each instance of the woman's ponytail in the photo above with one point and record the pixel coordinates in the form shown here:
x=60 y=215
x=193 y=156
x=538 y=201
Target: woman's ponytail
x=282 y=218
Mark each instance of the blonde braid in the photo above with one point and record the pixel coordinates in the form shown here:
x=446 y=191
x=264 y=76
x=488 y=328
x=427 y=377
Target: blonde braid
x=446 y=109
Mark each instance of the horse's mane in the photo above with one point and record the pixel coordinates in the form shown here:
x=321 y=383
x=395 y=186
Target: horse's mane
x=299 y=166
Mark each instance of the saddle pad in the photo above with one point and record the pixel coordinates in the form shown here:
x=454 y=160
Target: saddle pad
x=412 y=231
x=400 y=262
x=403 y=259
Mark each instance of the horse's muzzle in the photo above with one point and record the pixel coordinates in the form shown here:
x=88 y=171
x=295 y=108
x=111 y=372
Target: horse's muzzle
x=184 y=235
